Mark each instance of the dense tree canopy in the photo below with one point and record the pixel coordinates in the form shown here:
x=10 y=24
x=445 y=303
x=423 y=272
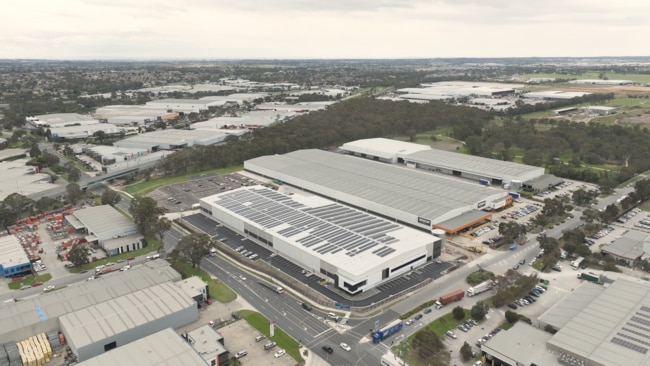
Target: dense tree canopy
x=146 y=214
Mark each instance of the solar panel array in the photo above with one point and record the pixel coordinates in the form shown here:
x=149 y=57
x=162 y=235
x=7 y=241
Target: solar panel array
x=332 y=228
x=637 y=339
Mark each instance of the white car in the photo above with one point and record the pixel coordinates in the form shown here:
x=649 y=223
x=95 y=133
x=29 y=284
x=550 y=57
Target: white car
x=48 y=288
x=279 y=353
x=125 y=268
x=91 y=278
x=346 y=347
x=409 y=322
x=241 y=277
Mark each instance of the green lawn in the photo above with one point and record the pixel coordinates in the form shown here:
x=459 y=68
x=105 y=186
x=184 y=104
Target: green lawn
x=28 y=280
x=217 y=289
x=152 y=185
x=259 y=322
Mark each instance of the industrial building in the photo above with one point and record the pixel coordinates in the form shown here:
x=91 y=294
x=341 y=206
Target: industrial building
x=355 y=250
x=445 y=90
x=59 y=120
x=171 y=139
x=63 y=133
x=208 y=343
x=195 y=287
x=22 y=319
x=179 y=105
x=13 y=258
x=554 y=95
x=630 y=247
x=601 y=82
x=476 y=168
x=99 y=328
x=247 y=121
x=108 y=228
x=596 y=326
x=163 y=348
x=18 y=177
x=410 y=196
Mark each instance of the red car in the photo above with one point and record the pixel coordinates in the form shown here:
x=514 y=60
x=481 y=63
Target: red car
x=37 y=284
x=130 y=258
x=14 y=279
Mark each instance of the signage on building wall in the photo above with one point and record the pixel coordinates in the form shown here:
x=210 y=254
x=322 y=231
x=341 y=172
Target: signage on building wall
x=422 y=220
x=481 y=204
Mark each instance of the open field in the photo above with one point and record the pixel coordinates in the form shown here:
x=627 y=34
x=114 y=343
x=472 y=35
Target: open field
x=639 y=78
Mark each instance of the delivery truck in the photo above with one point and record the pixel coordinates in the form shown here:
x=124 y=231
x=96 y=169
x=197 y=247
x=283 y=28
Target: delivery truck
x=448 y=298
x=480 y=288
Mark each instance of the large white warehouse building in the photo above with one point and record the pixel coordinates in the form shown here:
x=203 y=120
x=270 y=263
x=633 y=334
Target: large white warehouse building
x=413 y=197
x=356 y=250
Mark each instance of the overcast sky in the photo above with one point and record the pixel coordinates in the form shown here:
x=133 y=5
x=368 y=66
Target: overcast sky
x=226 y=29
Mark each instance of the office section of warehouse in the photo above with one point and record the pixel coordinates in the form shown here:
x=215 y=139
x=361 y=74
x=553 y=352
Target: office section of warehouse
x=353 y=248
x=413 y=197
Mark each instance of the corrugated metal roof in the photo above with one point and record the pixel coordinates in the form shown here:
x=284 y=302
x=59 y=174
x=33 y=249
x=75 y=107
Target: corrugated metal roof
x=352 y=179
x=164 y=348
x=620 y=312
x=108 y=318
x=100 y=219
x=11 y=252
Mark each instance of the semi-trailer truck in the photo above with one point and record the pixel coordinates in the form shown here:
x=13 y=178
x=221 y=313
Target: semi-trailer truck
x=390 y=328
x=480 y=288
x=450 y=297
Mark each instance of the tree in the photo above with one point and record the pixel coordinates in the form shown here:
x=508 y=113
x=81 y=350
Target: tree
x=511 y=230
x=100 y=136
x=146 y=214
x=74 y=175
x=46 y=204
x=458 y=313
x=35 y=152
x=479 y=310
x=78 y=255
x=161 y=227
x=110 y=197
x=466 y=351
x=429 y=346
x=74 y=192
x=193 y=248
x=511 y=317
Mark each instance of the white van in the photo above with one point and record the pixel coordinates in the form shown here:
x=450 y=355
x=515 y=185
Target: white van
x=252 y=256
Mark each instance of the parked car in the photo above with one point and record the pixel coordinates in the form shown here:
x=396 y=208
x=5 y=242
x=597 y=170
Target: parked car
x=279 y=353
x=240 y=354
x=451 y=334
x=418 y=317
x=512 y=305
x=427 y=310
x=409 y=322
x=260 y=337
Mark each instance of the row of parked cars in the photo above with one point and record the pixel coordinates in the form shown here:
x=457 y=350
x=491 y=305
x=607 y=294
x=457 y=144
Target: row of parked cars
x=246 y=253
x=623 y=219
x=467 y=325
x=530 y=298
x=603 y=232
x=483 y=230
x=487 y=337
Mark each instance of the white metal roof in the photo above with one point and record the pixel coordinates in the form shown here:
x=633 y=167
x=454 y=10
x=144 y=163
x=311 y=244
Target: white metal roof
x=173 y=137
x=478 y=165
x=613 y=329
x=109 y=318
x=346 y=237
x=17 y=177
x=27 y=312
x=11 y=252
x=523 y=344
x=555 y=94
x=377 y=185
x=571 y=305
x=164 y=348
x=382 y=147
x=100 y=219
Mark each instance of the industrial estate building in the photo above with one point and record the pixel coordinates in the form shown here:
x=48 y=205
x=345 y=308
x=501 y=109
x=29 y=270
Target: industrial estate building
x=410 y=196
x=128 y=310
x=18 y=177
x=108 y=228
x=596 y=326
x=355 y=250
x=496 y=172
x=13 y=259
x=630 y=247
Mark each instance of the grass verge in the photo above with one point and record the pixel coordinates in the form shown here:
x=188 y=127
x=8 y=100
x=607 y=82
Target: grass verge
x=259 y=322
x=28 y=280
x=216 y=288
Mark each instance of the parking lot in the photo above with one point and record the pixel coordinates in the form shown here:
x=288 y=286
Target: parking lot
x=181 y=196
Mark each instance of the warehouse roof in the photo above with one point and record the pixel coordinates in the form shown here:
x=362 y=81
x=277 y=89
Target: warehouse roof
x=629 y=246
x=350 y=238
x=523 y=344
x=473 y=164
x=11 y=252
x=572 y=304
x=17 y=177
x=164 y=348
x=173 y=137
x=114 y=316
x=612 y=329
x=411 y=191
x=555 y=94
x=382 y=147
x=100 y=219
x=30 y=311
x=207 y=342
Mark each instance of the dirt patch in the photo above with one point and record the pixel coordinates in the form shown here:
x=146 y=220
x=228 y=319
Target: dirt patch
x=644 y=118
x=618 y=90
